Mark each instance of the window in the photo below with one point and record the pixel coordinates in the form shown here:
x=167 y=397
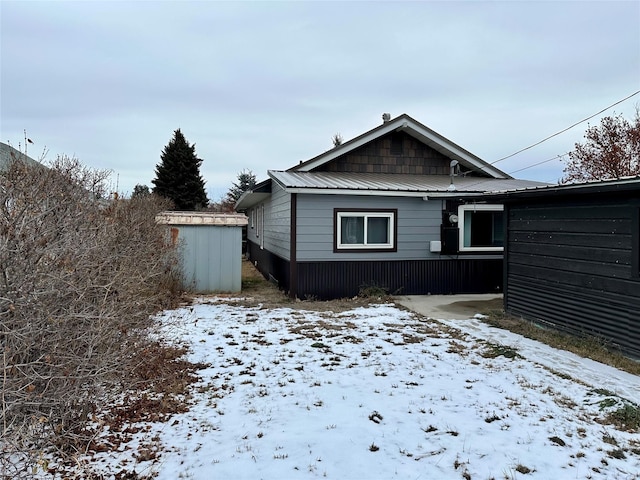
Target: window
x=261 y=225
x=364 y=230
x=481 y=228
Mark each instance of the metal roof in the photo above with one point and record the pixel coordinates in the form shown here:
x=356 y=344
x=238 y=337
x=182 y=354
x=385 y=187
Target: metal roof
x=623 y=184
x=392 y=184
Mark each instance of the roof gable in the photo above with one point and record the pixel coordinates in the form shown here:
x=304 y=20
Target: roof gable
x=405 y=124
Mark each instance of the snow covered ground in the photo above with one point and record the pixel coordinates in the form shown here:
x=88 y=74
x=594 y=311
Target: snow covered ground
x=381 y=393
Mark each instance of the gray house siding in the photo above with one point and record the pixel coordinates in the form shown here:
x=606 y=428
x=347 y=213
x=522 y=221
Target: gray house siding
x=277 y=227
x=418 y=223
x=316 y=271
x=270 y=224
x=269 y=236
x=572 y=263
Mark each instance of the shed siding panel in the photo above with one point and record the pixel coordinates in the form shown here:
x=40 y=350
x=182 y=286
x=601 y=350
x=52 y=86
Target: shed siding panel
x=569 y=264
x=212 y=258
x=418 y=222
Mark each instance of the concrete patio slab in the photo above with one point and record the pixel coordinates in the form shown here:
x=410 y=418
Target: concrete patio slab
x=450 y=307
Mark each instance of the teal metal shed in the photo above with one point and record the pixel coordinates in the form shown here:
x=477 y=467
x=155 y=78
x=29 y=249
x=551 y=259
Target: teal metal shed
x=211 y=249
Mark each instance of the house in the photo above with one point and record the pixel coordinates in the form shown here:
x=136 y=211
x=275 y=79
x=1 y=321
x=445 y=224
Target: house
x=572 y=258
x=8 y=155
x=387 y=209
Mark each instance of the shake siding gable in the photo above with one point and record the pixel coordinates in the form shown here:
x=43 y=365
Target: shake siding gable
x=418 y=222
x=378 y=157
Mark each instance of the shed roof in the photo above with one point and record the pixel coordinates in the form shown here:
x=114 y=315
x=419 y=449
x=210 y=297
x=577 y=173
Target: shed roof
x=202 y=218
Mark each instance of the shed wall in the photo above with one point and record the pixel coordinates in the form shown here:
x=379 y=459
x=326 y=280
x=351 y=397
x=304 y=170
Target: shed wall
x=570 y=263
x=212 y=257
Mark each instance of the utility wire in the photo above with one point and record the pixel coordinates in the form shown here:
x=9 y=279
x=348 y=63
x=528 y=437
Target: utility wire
x=564 y=130
x=557 y=157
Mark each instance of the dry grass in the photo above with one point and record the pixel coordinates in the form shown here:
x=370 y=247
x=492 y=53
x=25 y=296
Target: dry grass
x=259 y=291
x=588 y=347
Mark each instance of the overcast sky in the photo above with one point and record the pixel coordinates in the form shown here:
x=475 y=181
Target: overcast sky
x=263 y=85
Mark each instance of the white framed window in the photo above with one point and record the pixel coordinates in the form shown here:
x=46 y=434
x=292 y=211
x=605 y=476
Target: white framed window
x=481 y=228
x=365 y=230
x=261 y=227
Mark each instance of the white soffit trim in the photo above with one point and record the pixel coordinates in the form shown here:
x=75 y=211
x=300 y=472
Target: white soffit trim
x=371 y=193
x=449 y=148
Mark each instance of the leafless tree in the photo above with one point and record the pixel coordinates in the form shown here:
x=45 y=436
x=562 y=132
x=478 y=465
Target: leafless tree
x=610 y=150
x=79 y=278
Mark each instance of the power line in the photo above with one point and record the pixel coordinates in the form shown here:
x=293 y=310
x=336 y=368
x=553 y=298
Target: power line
x=568 y=128
x=557 y=157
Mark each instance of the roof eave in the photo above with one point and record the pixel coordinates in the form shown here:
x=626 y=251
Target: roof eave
x=252 y=197
x=628 y=184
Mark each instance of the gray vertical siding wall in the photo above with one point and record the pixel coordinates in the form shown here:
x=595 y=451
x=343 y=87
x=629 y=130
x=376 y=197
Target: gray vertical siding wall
x=277 y=223
x=418 y=223
x=570 y=263
x=212 y=257
x=277 y=226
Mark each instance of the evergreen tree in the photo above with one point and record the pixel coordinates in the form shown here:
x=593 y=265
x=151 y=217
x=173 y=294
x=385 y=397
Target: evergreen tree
x=140 y=191
x=178 y=175
x=246 y=181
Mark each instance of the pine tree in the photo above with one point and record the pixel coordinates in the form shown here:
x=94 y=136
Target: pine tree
x=246 y=181
x=178 y=175
x=140 y=191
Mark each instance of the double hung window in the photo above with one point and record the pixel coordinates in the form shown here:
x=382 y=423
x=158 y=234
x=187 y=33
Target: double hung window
x=365 y=229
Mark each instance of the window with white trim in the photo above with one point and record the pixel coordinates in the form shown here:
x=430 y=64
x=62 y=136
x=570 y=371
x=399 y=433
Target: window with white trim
x=481 y=228
x=365 y=229
x=261 y=227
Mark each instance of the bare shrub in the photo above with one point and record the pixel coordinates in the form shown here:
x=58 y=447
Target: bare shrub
x=79 y=278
